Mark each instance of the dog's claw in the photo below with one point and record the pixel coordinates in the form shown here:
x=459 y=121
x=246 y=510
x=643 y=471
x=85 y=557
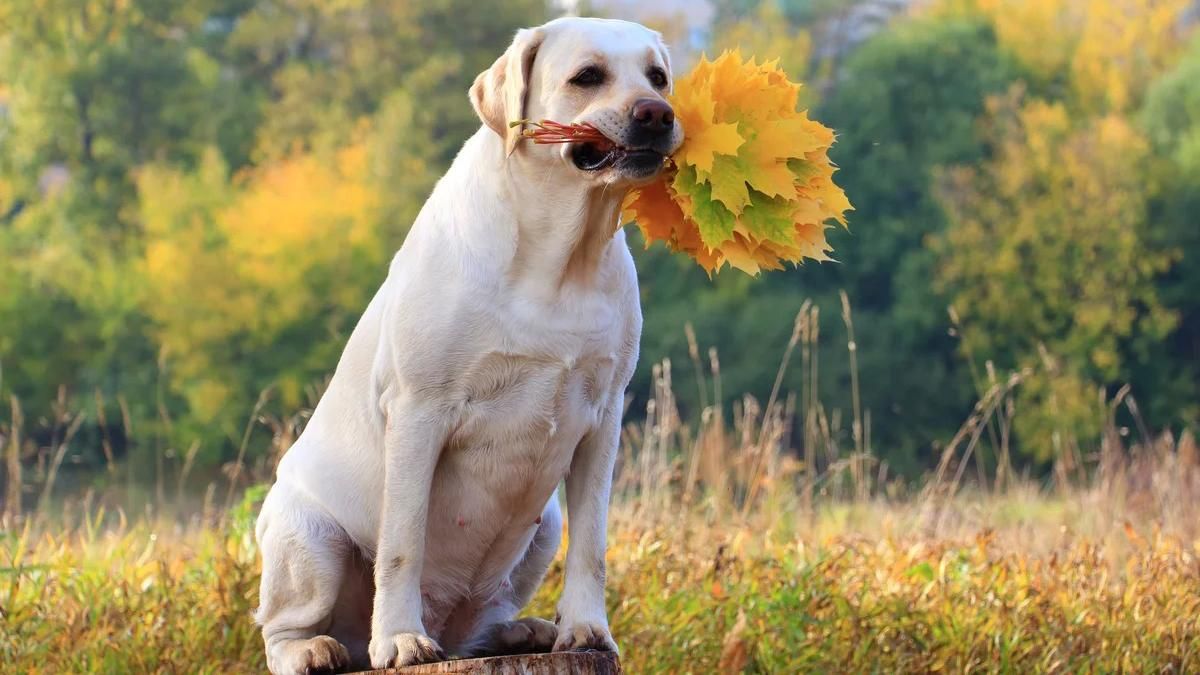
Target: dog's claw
x=320 y=654
x=405 y=649
x=585 y=635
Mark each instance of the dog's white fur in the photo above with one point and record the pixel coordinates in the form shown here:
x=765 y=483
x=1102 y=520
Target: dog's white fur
x=419 y=508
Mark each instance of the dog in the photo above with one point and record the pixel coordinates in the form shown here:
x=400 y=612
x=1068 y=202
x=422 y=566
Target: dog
x=418 y=512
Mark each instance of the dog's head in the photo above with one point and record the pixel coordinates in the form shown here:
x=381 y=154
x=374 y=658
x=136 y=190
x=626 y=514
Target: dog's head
x=614 y=75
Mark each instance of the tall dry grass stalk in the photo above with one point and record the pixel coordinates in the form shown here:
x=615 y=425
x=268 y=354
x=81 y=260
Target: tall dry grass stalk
x=106 y=444
x=755 y=466
x=858 y=464
x=236 y=469
x=732 y=464
x=12 y=493
x=66 y=425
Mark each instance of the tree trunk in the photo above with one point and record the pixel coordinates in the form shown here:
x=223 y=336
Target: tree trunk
x=558 y=663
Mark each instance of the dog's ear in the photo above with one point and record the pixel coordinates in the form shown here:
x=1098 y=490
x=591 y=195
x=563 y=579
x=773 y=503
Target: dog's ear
x=499 y=93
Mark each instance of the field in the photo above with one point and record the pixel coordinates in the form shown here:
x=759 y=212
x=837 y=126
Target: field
x=725 y=556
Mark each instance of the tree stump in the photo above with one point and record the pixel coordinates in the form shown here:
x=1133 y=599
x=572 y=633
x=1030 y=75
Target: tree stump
x=557 y=663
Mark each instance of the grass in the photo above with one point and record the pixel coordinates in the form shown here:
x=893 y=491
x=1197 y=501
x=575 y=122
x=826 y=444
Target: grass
x=728 y=553
x=685 y=595
x=131 y=599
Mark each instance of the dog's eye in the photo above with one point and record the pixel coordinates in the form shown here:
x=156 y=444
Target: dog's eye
x=589 y=76
x=657 y=77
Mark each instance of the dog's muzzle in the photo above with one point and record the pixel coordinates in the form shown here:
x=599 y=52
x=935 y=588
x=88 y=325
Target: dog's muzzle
x=645 y=144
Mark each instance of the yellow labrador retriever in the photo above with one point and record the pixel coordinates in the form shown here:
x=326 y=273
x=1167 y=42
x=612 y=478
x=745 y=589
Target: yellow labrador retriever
x=418 y=512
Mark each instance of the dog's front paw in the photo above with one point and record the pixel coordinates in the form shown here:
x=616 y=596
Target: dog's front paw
x=582 y=635
x=320 y=654
x=404 y=649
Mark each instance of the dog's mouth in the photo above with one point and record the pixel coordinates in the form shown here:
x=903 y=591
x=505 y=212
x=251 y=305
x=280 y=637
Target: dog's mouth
x=600 y=155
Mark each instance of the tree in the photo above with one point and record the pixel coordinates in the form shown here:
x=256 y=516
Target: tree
x=253 y=283
x=96 y=89
x=271 y=266
x=906 y=104
x=767 y=34
x=1048 y=252
x=1098 y=54
x=165 y=173
x=328 y=64
x=1171 y=118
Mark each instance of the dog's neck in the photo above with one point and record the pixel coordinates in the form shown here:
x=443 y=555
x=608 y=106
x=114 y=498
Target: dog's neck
x=564 y=225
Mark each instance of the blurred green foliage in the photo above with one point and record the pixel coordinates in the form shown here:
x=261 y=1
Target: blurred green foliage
x=198 y=198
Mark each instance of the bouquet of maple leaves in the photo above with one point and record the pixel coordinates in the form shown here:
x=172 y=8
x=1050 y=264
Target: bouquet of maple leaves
x=752 y=183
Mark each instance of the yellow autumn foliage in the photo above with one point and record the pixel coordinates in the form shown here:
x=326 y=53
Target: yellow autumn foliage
x=1050 y=255
x=234 y=262
x=299 y=215
x=1111 y=49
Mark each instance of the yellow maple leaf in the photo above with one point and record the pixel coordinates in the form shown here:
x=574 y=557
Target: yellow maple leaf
x=717 y=139
x=703 y=137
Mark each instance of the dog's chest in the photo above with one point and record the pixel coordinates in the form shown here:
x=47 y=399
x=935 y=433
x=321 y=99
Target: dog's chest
x=523 y=406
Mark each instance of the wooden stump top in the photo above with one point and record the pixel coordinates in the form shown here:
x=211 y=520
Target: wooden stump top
x=557 y=663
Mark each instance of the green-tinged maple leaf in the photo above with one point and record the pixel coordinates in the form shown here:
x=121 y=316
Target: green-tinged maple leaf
x=714 y=222
x=769 y=218
x=728 y=181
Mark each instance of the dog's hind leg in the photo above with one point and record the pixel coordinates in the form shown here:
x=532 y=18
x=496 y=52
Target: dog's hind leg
x=305 y=557
x=528 y=574
x=498 y=632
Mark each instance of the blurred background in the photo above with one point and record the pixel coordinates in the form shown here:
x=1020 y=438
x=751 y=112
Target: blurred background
x=197 y=200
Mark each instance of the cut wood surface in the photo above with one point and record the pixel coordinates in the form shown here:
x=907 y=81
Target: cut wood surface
x=558 y=663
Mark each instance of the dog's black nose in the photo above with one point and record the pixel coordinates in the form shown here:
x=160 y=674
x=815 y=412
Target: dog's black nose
x=653 y=115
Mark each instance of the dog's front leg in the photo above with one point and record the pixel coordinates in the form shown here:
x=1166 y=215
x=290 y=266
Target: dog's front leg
x=412 y=442
x=582 y=618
